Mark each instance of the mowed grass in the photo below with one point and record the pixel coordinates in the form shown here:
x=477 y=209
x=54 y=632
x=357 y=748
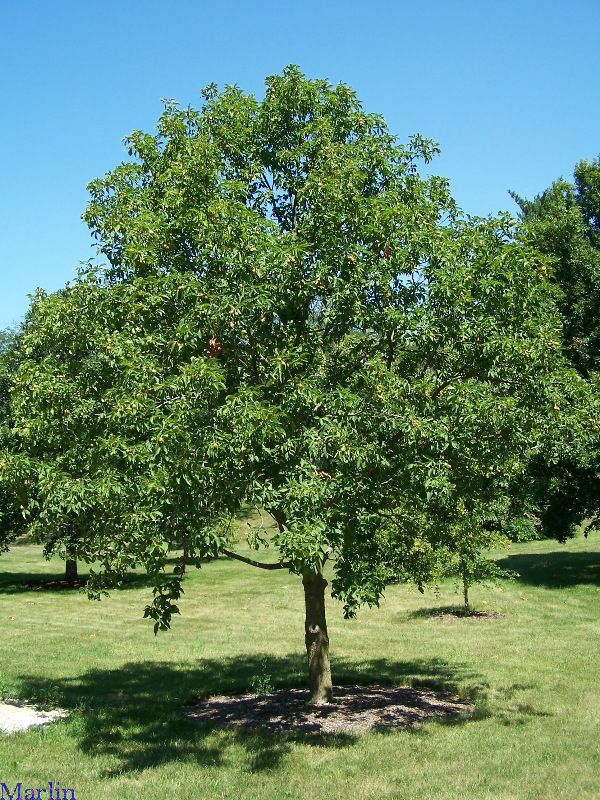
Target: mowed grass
x=532 y=675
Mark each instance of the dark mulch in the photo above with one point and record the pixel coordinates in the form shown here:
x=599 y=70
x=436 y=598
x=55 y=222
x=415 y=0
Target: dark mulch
x=57 y=584
x=464 y=613
x=355 y=710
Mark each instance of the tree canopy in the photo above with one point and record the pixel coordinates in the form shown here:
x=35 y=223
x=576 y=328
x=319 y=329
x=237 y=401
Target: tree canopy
x=563 y=222
x=291 y=317
x=561 y=489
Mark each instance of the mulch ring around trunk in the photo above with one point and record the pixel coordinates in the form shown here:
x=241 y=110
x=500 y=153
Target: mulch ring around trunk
x=464 y=613
x=57 y=584
x=356 y=709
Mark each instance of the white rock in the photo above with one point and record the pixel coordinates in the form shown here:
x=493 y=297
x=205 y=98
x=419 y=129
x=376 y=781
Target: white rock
x=18 y=716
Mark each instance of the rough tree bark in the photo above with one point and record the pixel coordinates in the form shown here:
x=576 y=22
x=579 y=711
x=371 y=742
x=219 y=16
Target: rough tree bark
x=316 y=638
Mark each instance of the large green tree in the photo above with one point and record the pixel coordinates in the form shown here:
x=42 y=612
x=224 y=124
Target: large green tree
x=291 y=317
x=563 y=223
x=561 y=488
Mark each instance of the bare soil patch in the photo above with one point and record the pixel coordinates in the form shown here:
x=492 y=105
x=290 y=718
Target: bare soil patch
x=356 y=709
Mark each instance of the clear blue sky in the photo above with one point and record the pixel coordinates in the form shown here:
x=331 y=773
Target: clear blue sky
x=509 y=89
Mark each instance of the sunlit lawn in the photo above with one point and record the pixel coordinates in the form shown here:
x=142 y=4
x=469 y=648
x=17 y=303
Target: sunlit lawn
x=532 y=675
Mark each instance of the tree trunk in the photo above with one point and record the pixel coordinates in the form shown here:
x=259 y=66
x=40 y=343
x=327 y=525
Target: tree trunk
x=465 y=578
x=71 y=570
x=317 y=641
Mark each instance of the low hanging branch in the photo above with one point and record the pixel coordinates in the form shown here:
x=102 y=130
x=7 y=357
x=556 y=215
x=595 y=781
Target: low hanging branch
x=261 y=565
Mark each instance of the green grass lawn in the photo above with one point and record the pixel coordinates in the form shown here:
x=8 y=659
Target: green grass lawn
x=532 y=675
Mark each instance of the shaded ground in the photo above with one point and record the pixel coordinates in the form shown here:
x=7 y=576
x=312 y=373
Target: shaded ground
x=134 y=714
x=559 y=569
x=357 y=709
x=17 y=582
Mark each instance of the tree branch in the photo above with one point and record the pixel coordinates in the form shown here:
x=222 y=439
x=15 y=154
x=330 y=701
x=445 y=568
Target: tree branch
x=259 y=564
x=444 y=385
x=390 y=350
x=255 y=372
x=294 y=211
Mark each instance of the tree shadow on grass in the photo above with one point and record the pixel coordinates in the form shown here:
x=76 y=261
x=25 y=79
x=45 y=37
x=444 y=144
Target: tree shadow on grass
x=557 y=570
x=135 y=715
x=20 y=541
x=51 y=581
